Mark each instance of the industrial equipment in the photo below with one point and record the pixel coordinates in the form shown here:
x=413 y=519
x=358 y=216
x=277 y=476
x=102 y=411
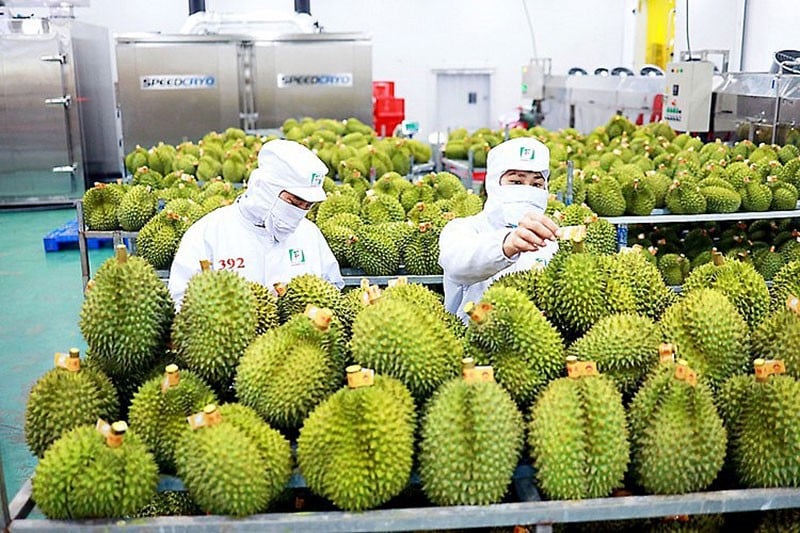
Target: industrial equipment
x=687 y=97
x=174 y=88
x=58 y=130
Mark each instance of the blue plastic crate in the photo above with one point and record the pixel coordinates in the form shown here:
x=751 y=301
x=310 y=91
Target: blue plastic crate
x=66 y=238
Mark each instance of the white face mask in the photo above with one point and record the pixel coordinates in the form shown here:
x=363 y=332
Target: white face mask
x=283 y=219
x=517 y=200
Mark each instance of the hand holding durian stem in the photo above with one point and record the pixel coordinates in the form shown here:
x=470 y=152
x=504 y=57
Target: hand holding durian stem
x=532 y=233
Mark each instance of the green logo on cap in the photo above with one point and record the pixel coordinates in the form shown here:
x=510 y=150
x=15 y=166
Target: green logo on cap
x=316 y=179
x=526 y=153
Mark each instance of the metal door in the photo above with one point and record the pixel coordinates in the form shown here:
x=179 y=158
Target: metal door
x=462 y=100
x=36 y=159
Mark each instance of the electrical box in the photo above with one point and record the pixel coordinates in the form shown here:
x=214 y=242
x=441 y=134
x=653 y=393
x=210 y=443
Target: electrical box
x=687 y=97
x=533 y=81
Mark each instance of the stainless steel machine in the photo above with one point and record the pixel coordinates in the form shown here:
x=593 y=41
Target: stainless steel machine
x=179 y=87
x=58 y=130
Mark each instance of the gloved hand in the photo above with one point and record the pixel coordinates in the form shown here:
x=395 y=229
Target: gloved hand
x=531 y=234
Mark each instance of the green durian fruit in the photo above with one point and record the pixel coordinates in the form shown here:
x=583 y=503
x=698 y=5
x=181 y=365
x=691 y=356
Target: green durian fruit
x=356 y=447
x=761 y=417
x=169 y=503
x=678 y=441
x=507 y=331
x=147 y=177
x=159 y=238
x=307 y=289
x=525 y=281
x=721 y=200
x=81 y=476
x=578 y=438
x=487 y=420
x=375 y=252
x=339 y=239
x=421 y=151
x=739 y=281
x=639 y=197
x=208 y=168
x=394 y=337
x=63 y=399
x=136 y=208
x=216 y=322
x=605 y=197
x=709 y=333
x=784 y=283
x=445 y=184
x=768 y=262
x=185 y=163
x=756 y=196
x=237 y=466
x=284 y=374
x=455 y=149
x=159 y=410
x=674 y=268
x=465 y=204
x=336 y=203
x=418 y=192
x=135 y=159
x=161 y=158
x=777 y=337
x=783 y=521
x=100 y=205
x=784 y=194
x=266 y=308
x=575 y=291
x=126 y=315
x=375 y=160
x=684 y=198
x=624 y=346
x=380 y=208
x=640 y=278
x=421 y=253
x=415 y=293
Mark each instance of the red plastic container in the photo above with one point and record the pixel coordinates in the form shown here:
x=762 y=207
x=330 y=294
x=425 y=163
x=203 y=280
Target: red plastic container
x=387 y=113
x=383 y=89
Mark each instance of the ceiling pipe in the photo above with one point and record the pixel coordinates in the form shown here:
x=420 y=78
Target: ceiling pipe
x=302 y=6
x=199 y=5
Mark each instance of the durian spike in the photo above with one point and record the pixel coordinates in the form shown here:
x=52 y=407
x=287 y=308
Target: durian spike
x=205 y=265
x=121 y=253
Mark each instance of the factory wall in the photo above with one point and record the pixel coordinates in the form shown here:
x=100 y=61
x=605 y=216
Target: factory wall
x=415 y=38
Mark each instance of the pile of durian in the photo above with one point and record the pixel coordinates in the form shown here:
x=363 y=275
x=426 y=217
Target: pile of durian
x=591 y=369
x=678 y=250
x=628 y=170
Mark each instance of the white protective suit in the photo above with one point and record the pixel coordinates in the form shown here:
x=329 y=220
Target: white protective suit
x=261 y=236
x=471 y=248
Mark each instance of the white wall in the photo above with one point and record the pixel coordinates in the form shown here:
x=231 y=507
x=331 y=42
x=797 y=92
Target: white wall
x=771 y=25
x=413 y=37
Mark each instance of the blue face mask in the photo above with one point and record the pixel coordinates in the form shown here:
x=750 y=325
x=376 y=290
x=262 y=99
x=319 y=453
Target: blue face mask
x=517 y=200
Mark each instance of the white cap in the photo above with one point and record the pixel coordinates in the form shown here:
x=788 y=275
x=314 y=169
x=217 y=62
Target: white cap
x=292 y=167
x=522 y=153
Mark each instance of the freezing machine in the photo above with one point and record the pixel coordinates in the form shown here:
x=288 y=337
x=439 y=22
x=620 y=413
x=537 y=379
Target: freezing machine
x=58 y=129
x=179 y=87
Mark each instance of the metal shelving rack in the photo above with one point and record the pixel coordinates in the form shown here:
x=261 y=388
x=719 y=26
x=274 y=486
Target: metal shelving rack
x=542 y=514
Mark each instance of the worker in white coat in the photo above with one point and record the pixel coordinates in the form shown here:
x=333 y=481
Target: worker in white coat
x=264 y=236
x=512 y=232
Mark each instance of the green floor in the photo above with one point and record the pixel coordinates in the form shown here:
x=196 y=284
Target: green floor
x=41 y=295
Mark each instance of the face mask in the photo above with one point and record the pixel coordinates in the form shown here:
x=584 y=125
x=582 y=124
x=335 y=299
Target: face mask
x=517 y=200
x=283 y=219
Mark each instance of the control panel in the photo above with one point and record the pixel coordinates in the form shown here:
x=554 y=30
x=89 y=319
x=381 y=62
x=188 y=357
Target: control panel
x=687 y=96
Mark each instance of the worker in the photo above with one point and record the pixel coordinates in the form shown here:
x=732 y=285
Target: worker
x=512 y=232
x=264 y=236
